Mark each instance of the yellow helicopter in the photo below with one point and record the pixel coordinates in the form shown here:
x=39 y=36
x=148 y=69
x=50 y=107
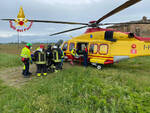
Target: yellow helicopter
x=105 y=46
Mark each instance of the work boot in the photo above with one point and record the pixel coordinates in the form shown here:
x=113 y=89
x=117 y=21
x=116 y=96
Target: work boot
x=23 y=71
x=56 y=70
x=38 y=74
x=26 y=76
x=71 y=62
x=44 y=74
x=30 y=73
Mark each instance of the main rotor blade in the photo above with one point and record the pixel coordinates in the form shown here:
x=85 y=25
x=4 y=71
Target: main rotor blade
x=58 y=22
x=47 y=21
x=8 y=19
x=68 y=30
x=118 y=9
x=125 y=23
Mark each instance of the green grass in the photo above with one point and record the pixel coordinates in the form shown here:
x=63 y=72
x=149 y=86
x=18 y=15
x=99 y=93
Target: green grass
x=9 y=60
x=121 y=88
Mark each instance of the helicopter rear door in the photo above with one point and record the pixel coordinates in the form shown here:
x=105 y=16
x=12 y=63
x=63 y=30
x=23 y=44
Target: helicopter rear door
x=98 y=53
x=98 y=49
x=93 y=49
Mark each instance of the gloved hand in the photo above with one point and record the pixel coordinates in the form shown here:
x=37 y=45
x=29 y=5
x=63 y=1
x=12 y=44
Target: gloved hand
x=22 y=59
x=32 y=55
x=31 y=61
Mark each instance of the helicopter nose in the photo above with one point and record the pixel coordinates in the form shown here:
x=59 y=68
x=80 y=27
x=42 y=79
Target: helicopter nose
x=21 y=23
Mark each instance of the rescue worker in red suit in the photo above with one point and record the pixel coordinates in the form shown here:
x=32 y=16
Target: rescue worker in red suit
x=26 y=59
x=73 y=55
x=40 y=61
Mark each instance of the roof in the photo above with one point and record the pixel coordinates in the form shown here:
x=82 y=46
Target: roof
x=144 y=19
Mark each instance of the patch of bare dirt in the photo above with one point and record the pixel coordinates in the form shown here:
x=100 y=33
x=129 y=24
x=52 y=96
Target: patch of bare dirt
x=13 y=76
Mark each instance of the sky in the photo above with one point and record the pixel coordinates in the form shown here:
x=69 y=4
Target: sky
x=63 y=10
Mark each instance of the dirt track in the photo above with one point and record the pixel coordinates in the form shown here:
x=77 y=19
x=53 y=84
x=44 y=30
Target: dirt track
x=14 y=77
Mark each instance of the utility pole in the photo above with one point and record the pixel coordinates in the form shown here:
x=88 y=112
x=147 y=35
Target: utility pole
x=18 y=40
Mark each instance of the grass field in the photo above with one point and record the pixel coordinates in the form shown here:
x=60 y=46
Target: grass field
x=9 y=60
x=120 y=88
x=14 y=48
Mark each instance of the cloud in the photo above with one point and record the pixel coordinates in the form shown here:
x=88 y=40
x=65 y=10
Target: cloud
x=63 y=10
x=6 y=34
x=68 y=2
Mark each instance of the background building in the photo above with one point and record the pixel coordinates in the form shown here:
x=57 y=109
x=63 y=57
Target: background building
x=139 y=29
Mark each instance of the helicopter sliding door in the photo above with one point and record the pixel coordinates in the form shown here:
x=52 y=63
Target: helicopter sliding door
x=80 y=47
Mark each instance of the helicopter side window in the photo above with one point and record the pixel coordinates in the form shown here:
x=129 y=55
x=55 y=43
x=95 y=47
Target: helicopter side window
x=72 y=45
x=103 y=49
x=65 y=46
x=109 y=36
x=93 y=48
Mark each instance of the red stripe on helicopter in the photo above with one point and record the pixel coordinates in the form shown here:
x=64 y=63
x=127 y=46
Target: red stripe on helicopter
x=92 y=56
x=100 y=56
x=109 y=62
x=90 y=30
x=143 y=38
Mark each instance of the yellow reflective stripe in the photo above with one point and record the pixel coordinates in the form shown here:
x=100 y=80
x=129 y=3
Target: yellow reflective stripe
x=44 y=74
x=40 y=62
x=73 y=52
x=57 y=60
x=57 y=57
x=24 y=67
x=39 y=57
x=38 y=48
x=38 y=74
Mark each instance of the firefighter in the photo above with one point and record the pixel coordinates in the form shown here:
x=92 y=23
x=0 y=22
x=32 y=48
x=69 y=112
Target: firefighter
x=49 y=57
x=26 y=59
x=40 y=61
x=56 y=58
x=62 y=57
x=60 y=54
